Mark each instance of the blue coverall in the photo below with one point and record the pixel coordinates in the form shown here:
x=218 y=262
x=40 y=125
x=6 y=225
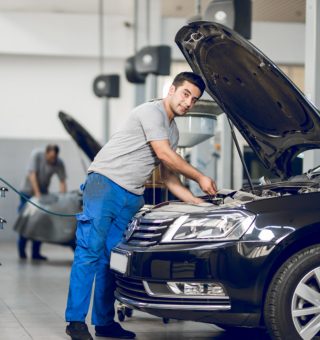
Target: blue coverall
x=107 y=210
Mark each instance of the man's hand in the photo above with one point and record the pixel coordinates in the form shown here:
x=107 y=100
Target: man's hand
x=207 y=185
x=197 y=200
x=63 y=186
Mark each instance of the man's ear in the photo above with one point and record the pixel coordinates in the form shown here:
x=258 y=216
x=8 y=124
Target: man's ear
x=172 y=90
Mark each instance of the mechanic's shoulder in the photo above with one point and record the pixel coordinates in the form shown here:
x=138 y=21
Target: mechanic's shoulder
x=60 y=161
x=151 y=106
x=37 y=153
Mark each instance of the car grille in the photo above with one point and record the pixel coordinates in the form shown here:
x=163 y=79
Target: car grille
x=146 y=232
x=134 y=289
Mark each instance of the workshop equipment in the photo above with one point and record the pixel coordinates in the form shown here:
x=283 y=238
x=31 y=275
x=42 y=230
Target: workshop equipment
x=35 y=224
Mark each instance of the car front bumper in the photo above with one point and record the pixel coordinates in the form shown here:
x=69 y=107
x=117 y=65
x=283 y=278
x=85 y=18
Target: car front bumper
x=240 y=267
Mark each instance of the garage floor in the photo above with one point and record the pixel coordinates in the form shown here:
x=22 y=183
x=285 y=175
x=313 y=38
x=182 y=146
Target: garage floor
x=33 y=295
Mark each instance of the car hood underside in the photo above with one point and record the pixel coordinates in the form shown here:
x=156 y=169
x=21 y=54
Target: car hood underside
x=270 y=112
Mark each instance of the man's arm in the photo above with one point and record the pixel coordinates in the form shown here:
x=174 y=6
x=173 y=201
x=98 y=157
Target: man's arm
x=61 y=172
x=174 y=184
x=63 y=186
x=34 y=183
x=177 y=164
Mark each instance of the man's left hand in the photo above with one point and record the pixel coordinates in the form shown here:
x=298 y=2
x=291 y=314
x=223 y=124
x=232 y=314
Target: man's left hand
x=197 y=200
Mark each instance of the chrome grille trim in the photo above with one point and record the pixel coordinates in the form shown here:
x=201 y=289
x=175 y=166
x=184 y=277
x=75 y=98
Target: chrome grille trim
x=148 y=227
x=138 y=304
x=142 y=243
x=147 y=232
x=145 y=235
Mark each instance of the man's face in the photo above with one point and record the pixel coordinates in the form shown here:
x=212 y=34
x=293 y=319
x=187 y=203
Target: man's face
x=183 y=97
x=51 y=157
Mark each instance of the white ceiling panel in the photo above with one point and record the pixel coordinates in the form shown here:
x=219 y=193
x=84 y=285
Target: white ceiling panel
x=262 y=10
x=117 y=7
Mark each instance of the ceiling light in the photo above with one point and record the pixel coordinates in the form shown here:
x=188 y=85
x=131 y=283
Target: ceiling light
x=220 y=16
x=221 y=11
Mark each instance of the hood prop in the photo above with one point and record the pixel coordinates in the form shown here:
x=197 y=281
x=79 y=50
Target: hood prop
x=234 y=137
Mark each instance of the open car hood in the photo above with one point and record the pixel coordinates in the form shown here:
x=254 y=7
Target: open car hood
x=270 y=112
x=80 y=135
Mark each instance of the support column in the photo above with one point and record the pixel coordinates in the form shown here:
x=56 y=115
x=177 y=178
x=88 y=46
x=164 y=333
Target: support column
x=106 y=119
x=140 y=40
x=312 y=69
x=147 y=32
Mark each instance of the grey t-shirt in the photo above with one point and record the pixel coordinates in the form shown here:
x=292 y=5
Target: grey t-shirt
x=128 y=158
x=44 y=171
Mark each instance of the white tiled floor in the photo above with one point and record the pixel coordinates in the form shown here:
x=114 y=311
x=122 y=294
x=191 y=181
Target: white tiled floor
x=33 y=296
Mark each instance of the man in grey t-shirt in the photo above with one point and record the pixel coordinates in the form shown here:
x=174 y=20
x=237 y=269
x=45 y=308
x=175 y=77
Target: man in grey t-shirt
x=128 y=159
x=42 y=166
x=113 y=194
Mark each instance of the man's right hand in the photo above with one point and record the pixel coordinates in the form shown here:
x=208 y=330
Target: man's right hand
x=207 y=185
x=34 y=184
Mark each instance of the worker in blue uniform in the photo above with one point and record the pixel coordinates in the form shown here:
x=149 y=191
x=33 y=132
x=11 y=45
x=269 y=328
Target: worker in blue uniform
x=113 y=193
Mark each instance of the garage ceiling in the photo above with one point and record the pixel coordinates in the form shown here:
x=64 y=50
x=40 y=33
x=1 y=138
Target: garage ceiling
x=263 y=10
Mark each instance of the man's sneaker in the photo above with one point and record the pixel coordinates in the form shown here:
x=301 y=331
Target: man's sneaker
x=114 y=331
x=78 y=331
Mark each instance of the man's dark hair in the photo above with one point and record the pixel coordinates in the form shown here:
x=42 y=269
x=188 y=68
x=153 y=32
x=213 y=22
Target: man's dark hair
x=52 y=147
x=192 y=78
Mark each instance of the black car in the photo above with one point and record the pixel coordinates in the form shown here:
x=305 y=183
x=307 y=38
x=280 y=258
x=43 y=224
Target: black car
x=244 y=258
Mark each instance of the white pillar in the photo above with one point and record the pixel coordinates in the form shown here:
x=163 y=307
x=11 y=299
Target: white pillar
x=154 y=38
x=312 y=69
x=148 y=32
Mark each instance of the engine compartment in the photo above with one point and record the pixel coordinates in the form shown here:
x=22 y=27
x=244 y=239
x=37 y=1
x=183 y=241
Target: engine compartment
x=228 y=198
x=233 y=198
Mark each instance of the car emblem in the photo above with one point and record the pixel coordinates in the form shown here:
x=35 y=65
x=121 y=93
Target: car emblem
x=131 y=229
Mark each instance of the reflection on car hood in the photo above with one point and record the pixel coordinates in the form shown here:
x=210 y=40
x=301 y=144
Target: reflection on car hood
x=270 y=112
x=80 y=135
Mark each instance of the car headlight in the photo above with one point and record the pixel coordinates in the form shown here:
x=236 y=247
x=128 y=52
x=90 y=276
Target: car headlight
x=223 y=225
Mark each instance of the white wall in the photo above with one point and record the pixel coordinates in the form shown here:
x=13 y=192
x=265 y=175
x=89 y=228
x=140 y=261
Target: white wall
x=48 y=63
x=34 y=88
x=284 y=43
x=61 y=34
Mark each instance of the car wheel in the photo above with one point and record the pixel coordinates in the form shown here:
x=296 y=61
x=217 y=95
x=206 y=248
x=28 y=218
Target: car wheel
x=292 y=305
